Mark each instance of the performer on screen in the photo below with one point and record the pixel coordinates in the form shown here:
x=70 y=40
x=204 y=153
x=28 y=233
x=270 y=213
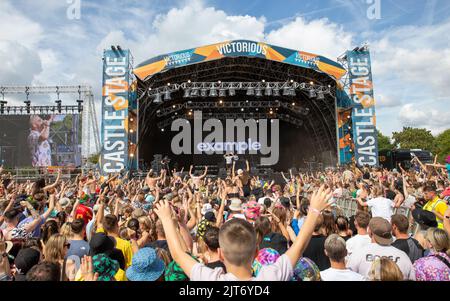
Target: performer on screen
x=38 y=141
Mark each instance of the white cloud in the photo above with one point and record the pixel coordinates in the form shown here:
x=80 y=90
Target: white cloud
x=17 y=27
x=19 y=63
x=317 y=36
x=421 y=116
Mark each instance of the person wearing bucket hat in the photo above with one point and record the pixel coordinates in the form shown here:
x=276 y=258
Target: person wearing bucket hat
x=306 y=270
x=265 y=257
x=145 y=266
x=236 y=209
x=360 y=261
x=106 y=268
x=252 y=211
x=425 y=219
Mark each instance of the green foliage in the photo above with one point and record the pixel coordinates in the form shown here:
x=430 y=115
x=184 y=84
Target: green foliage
x=414 y=138
x=94 y=158
x=384 y=143
x=443 y=146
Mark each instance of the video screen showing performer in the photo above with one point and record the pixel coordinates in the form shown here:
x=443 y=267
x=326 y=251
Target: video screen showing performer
x=40 y=140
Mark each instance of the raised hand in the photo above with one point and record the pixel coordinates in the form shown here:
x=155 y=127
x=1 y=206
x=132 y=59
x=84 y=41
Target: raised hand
x=320 y=198
x=87 y=270
x=163 y=210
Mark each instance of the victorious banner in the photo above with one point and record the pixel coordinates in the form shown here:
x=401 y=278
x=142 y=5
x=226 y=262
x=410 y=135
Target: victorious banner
x=235 y=49
x=363 y=115
x=116 y=78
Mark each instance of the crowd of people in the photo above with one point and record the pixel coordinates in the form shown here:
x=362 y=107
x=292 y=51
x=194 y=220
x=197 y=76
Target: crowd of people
x=181 y=226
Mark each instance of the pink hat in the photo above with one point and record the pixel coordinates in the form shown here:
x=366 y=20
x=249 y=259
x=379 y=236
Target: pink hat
x=252 y=210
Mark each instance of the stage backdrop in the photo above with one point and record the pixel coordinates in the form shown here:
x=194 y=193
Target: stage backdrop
x=116 y=82
x=40 y=140
x=238 y=48
x=363 y=102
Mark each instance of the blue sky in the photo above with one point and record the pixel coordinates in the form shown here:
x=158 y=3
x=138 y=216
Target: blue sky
x=410 y=43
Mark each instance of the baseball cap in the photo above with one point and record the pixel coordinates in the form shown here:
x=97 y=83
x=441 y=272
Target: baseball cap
x=101 y=243
x=381 y=231
x=24 y=261
x=424 y=217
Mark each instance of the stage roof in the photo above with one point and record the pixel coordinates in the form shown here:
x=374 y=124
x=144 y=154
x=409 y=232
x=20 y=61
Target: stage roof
x=238 y=48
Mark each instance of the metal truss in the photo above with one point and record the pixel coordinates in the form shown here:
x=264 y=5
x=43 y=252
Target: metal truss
x=33 y=110
x=234 y=116
x=208 y=87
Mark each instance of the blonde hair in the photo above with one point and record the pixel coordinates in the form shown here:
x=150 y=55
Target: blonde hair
x=438 y=239
x=66 y=230
x=54 y=248
x=384 y=269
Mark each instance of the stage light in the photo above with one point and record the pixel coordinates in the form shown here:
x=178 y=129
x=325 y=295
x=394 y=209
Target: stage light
x=213 y=92
x=286 y=91
x=312 y=93
x=157 y=98
x=350 y=138
x=276 y=92
x=131 y=155
x=167 y=95
x=189 y=81
x=162 y=130
x=242 y=110
x=292 y=80
x=263 y=80
x=131 y=119
x=204 y=92
x=329 y=86
x=131 y=131
x=194 y=92
x=220 y=101
x=258 y=92
x=268 y=91
x=58 y=105
x=311 y=83
x=80 y=105
x=320 y=95
x=232 y=92
x=187 y=93
x=292 y=92
x=190 y=113
x=222 y=92
x=293 y=104
x=219 y=82
x=168 y=84
x=250 y=92
x=174 y=106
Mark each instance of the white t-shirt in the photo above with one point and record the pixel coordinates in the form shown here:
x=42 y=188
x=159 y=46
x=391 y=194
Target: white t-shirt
x=39 y=150
x=381 y=207
x=340 y=275
x=357 y=242
x=281 y=270
x=361 y=260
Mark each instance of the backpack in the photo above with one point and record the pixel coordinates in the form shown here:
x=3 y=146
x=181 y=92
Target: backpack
x=414 y=252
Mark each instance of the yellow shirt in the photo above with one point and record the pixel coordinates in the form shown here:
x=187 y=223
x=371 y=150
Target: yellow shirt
x=439 y=206
x=124 y=246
